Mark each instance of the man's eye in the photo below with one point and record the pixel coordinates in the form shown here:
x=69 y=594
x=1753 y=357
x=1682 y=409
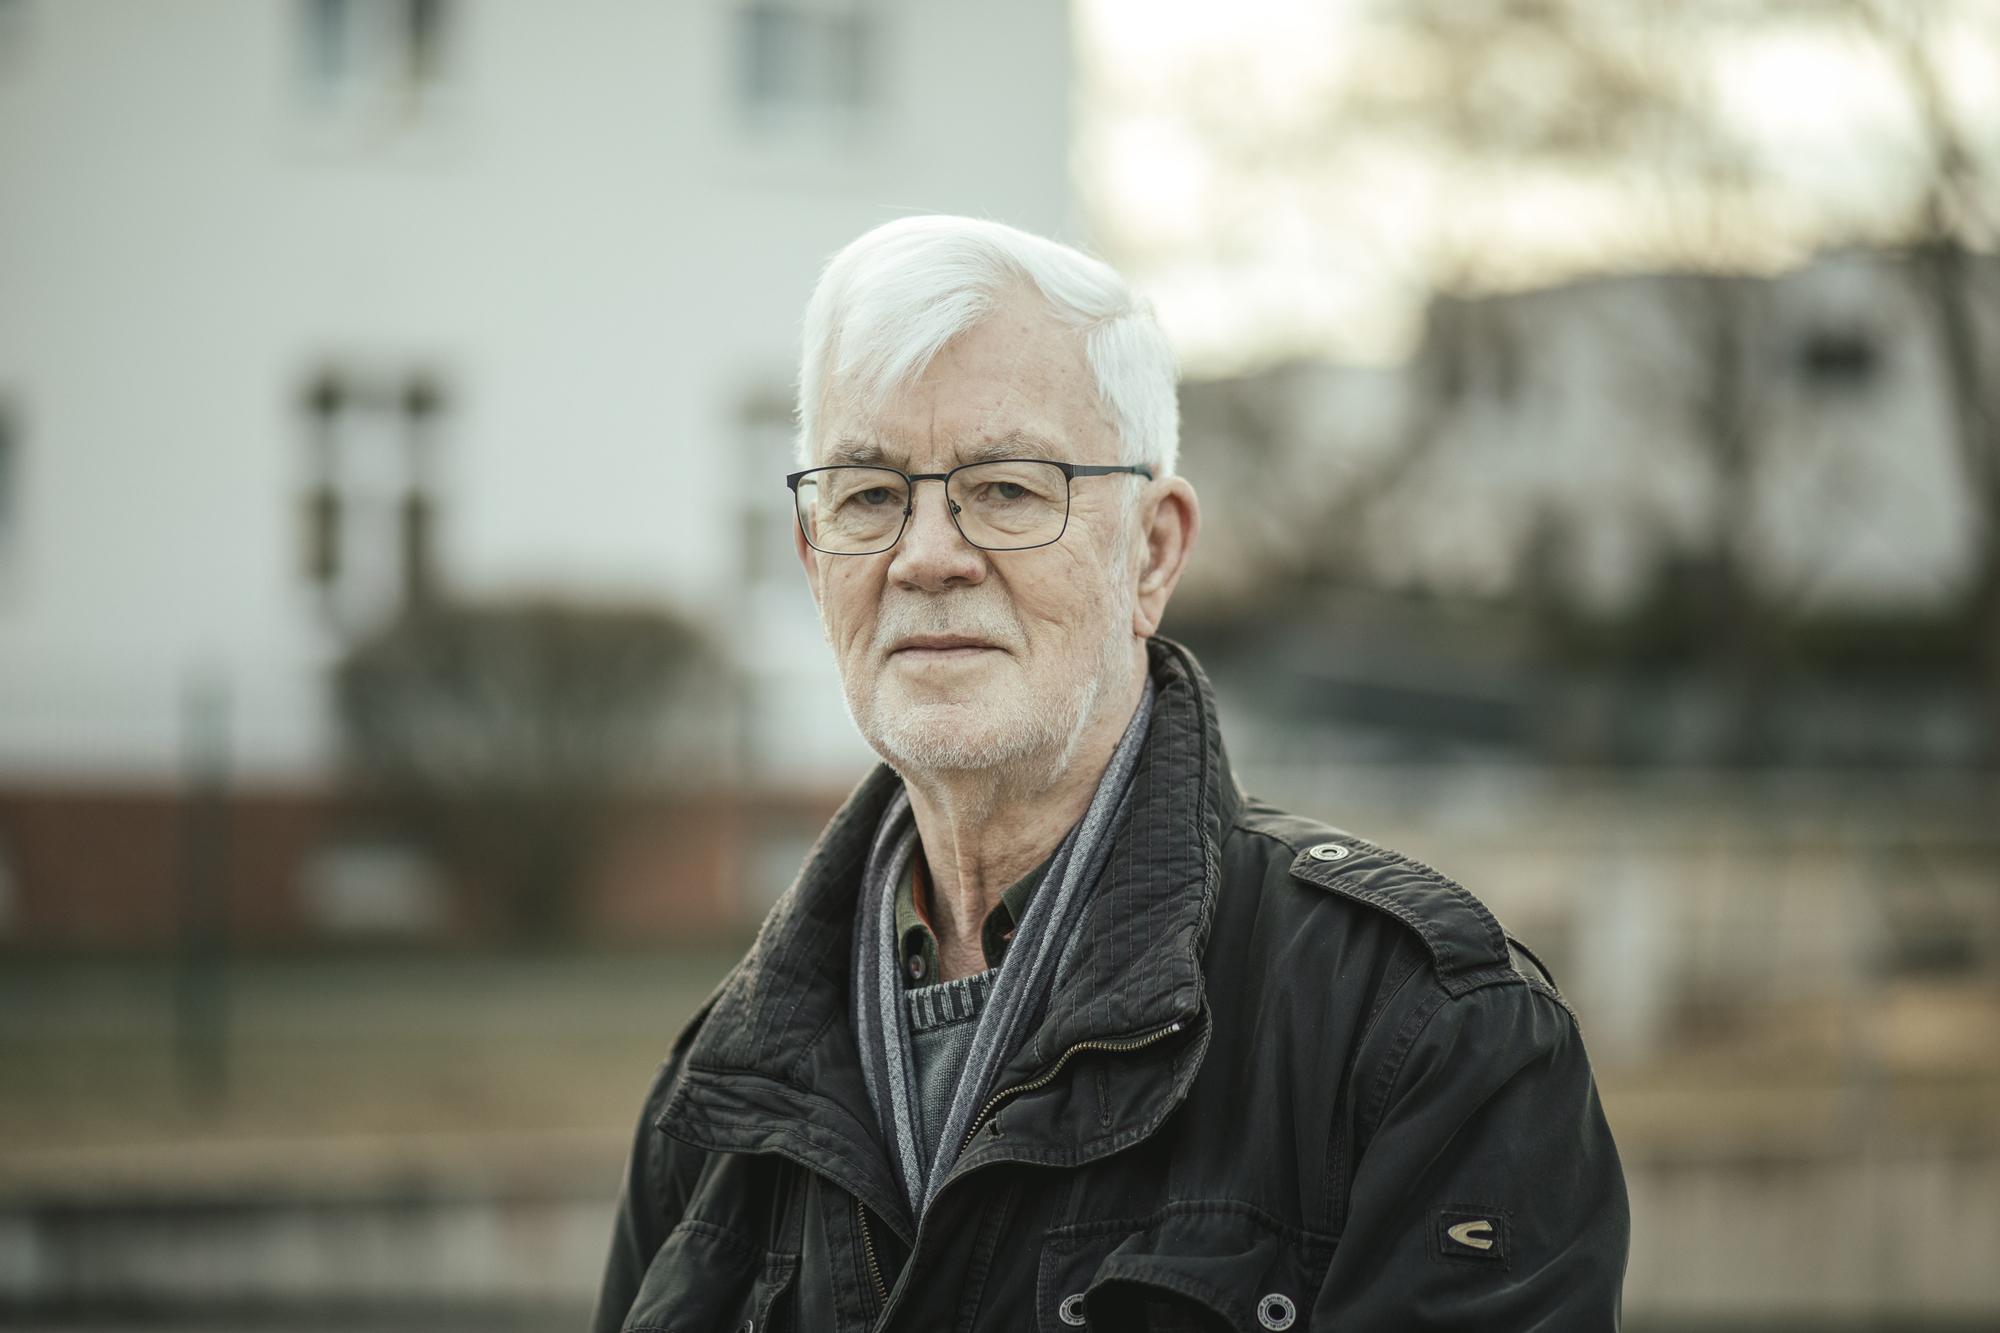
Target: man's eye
x=1006 y=490
x=874 y=495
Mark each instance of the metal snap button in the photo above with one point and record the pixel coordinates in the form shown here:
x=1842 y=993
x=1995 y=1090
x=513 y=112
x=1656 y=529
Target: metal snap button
x=1276 y=1311
x=916 y=967
x=1328 y=851
x=1071 y=1310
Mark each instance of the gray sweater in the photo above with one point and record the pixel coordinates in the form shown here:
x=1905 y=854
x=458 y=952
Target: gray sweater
x=943 y=1018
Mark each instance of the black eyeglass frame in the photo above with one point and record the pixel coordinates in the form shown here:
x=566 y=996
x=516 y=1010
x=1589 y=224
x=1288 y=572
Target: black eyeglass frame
x=1070 y=471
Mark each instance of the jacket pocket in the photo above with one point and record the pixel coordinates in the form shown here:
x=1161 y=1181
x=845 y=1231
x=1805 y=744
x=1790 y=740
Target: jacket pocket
x=707 y=1279
x=1195 y=1265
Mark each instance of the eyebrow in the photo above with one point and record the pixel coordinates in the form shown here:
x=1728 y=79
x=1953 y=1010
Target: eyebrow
x=1014 y=444
x=852 y=450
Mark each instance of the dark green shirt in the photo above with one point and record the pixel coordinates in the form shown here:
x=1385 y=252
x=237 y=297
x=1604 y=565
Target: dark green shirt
x=919 y=945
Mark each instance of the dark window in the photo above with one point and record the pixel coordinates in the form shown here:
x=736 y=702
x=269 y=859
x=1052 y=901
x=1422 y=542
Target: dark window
x=13 y=32
x=803 y=57
x=374 y=51
x=368 y=510
x=1840 y=358
x=423 y=34
x=10 y=471
x=326 y=41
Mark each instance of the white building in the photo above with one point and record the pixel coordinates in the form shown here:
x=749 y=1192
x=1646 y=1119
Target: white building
x=580 y=235
x=1584 y=428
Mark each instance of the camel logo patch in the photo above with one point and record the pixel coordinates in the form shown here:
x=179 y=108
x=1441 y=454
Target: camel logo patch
x=1477 y=1236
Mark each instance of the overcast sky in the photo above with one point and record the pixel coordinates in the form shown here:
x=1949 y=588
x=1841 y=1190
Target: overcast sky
x=1250 y=261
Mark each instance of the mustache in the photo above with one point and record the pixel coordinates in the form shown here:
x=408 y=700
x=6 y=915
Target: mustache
x=894 y=626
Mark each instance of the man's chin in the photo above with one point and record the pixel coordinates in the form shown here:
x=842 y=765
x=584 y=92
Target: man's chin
x=958 y=736
x=939 y=749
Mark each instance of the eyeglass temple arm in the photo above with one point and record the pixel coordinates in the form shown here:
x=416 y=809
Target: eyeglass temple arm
x=1105 y=470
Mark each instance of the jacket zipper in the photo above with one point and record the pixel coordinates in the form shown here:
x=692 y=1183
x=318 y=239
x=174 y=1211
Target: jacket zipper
x=978 y=1121
x=1048 y=1075
x=868 y=1248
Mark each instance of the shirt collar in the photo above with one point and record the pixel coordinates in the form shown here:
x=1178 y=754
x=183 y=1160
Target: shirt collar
x=919 y=948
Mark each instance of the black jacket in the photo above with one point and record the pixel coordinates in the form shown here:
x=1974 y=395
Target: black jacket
x=1295 y=1080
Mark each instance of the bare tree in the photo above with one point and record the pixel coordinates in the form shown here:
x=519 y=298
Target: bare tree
x=1953 y=214
x=499 y=734
x=1580 y=88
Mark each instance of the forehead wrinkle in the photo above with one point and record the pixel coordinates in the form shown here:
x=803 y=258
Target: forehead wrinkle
x=1016 y=443
x=854 y=449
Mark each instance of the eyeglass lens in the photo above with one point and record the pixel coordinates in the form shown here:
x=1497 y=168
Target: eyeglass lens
x=1000 y=506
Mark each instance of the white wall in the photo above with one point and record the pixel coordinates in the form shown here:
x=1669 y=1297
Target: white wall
x=580 y=233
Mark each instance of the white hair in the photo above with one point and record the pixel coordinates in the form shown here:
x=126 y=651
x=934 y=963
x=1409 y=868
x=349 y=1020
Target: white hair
x=890 y=301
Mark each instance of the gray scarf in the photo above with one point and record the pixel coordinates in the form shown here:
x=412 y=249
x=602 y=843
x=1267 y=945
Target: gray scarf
x=1036 y=961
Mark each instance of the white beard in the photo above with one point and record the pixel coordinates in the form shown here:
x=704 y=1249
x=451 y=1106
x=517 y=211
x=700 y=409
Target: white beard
x=1033 y=732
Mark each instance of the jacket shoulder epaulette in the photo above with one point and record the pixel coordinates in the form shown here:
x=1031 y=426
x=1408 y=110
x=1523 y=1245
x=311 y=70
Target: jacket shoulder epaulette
x=1467 y=945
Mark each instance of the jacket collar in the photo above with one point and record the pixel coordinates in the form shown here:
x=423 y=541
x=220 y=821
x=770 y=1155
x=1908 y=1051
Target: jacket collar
x=780 y=1019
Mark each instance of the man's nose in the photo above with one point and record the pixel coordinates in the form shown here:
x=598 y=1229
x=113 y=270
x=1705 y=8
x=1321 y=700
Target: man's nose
x=933 y=554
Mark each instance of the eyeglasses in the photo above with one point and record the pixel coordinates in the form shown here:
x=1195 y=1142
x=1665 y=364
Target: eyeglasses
x=1006 y=504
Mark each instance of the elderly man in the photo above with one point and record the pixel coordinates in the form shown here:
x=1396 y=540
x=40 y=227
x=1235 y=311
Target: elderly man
x=1058 y=1028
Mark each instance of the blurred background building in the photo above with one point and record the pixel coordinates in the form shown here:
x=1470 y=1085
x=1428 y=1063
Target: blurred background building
x=316 y=311
x=408 y=703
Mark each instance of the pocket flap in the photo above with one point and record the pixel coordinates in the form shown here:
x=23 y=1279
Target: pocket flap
x=1212 y=1264
x=705 y=1277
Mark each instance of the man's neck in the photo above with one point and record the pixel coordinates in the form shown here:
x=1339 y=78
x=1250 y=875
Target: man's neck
x=981 y=830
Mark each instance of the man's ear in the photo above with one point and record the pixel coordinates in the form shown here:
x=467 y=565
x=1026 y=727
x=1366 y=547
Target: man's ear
x=808 y=560
x=1169 y=519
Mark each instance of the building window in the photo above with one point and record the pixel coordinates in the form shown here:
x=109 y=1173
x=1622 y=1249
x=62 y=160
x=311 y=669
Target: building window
x=13 y=32
x=379 y=886
x=10 y=474
x=1839 y=358
x=806 y=62
x=370 y=513
x=377 y=64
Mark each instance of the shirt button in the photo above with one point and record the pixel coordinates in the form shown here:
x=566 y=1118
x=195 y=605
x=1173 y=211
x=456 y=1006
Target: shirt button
x=1327 y=851
x=916 y=967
